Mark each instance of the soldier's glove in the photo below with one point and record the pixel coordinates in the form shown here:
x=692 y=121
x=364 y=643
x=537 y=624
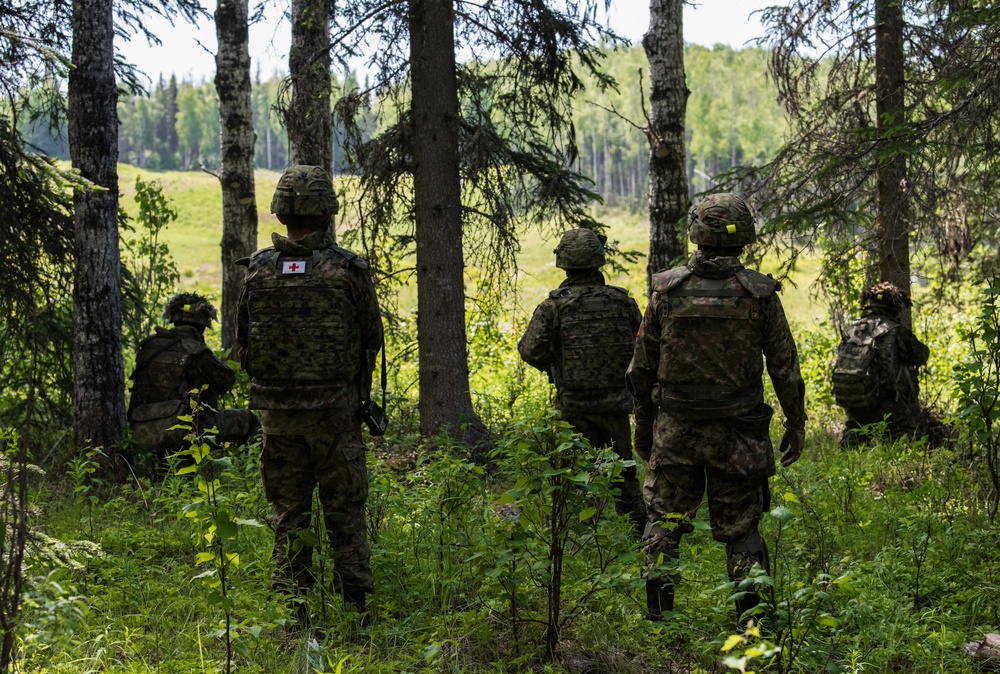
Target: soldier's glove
x=644 y=439
x=791 y=446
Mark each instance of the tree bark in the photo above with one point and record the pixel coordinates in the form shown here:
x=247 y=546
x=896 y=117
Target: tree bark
x=445 y=399
x=239 y=207
x=668 y=94
x=893 y=218
x=308 y=119
x=99 y=378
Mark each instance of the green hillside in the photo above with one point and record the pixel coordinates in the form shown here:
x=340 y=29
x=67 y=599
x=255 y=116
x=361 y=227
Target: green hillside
x=194 y=240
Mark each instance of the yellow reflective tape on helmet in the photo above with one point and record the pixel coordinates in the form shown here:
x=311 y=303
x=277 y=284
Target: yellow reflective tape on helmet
x=879 y=296
x=730 y=229
x=187 y=307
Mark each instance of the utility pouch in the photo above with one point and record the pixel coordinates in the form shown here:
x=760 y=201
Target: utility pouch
x=374 y=417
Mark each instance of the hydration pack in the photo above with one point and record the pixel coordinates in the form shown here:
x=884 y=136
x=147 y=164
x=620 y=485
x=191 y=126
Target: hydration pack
x=857 y=375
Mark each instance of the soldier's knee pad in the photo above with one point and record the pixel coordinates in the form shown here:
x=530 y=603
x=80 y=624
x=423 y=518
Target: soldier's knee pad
x=743 y=553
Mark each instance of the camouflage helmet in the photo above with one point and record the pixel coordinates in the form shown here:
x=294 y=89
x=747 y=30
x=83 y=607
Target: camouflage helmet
x=304 y=190
x=190 y=308
x=885 y=296
x=722 y=220
x=580 y=248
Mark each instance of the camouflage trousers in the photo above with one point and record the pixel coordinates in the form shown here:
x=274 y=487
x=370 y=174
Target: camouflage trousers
x=692 y=458
x=903 y=420
x=291 y=467
x=614 y=431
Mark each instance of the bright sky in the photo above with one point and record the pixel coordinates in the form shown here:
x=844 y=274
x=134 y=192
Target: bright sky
x=185 y=51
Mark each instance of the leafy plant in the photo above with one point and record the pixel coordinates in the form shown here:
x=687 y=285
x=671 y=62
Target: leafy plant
x=149 y=273
x=215 y=523
x=562 y=485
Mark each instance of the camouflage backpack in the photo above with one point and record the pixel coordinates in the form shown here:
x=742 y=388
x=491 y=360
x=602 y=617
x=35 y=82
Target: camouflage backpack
x=596 y=338
x=857 y=375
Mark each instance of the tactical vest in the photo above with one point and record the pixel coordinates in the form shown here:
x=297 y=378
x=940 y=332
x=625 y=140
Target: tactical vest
x=864 y=365
x=711 y=342
x=303 y=328
x=595 y=338
x=162 y=366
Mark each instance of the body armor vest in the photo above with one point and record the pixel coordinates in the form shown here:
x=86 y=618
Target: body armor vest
x=303 y=331
x=711 y=362
x=596 y=340
x=163 y=371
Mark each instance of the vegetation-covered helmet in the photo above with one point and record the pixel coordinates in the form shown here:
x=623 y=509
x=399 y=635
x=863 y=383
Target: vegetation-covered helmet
x=580 y=248
x=190 y=308
x=304 y=190
x=885 y=296
x=723 y=220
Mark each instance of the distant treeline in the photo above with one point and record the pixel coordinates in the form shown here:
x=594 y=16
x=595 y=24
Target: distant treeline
x=732 y=118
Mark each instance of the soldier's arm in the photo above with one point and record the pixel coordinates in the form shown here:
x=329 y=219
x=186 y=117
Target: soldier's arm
x=783 y=363
x=642 y=371
x=634 y=316
x=213 y=371
x=537 y=345
x=242 y=327
x=911 y=350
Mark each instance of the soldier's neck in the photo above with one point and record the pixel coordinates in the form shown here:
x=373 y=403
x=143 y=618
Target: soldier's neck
x=299 y=233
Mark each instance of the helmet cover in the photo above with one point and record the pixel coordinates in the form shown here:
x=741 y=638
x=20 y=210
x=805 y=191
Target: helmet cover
x=723 y=220
x=580 y=248
x=190 y=308
x=304 y=190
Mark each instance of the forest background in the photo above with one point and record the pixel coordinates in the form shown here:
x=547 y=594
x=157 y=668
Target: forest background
x=884 y=559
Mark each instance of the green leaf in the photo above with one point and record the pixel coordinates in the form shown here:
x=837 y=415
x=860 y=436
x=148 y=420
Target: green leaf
x=731 y=642
x=203 y=557
x=587 y=514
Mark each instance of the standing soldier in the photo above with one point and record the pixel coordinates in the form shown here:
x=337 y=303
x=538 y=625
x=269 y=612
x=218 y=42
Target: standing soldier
x=582 y=335
x=700 y=412
x=875 y=372
x=175 y=367
x=308 y=330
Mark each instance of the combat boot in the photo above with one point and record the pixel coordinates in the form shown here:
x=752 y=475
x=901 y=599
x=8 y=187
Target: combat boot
x=749 y=601
x=659 y=598
x=357 y=599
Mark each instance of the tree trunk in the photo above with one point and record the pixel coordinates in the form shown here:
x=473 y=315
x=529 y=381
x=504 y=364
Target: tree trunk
x=668 y=94
x=99 y=386
x=893 y=219
x=308 y=119
x=239 y=207
x=445 y=400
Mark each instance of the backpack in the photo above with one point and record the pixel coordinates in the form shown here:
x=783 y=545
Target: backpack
x=857 y=380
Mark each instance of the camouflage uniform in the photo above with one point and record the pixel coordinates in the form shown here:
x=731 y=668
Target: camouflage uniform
x=697 y=379
x=308 y=330
x=898 y=355
x=579 y=335
x=170 y=364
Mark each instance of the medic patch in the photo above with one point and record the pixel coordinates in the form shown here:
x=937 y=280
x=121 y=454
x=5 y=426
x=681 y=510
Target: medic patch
x=293 y=266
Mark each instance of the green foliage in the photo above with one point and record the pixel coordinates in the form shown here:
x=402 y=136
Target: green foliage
x=149 y=273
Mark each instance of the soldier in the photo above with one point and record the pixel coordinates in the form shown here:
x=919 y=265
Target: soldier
x=875 y=372
x=582 y=335
x=700 y=414
x=173 y=362
x=308 y=330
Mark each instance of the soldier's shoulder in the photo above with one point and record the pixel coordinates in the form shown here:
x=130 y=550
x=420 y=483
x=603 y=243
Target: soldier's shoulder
x=664 y=281
x=262 y=256
x=562 y=293
x=757 y=284
x=352 y=258
x=617 y=291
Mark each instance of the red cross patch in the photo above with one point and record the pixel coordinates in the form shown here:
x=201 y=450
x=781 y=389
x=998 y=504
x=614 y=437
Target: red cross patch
x=293 y=266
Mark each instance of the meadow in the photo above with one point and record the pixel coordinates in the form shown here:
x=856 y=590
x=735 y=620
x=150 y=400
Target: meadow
x=883 y=558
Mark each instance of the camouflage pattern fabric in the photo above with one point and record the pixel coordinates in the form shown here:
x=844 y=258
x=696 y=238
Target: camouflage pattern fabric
x=697 y=378
x=582 y=336
x=898 y=355
x=308 y=329
x=171 y=363
x=615 y=432
x=692 y=456
x=291 y=466
x=306 y=304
